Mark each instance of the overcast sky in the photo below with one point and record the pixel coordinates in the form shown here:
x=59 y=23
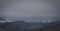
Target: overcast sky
x=30 y=8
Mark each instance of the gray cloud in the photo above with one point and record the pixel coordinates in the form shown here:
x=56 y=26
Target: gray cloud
x=30 y=8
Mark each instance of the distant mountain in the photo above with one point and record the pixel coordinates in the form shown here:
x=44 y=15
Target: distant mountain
x=23 y=26
x=20 y=24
